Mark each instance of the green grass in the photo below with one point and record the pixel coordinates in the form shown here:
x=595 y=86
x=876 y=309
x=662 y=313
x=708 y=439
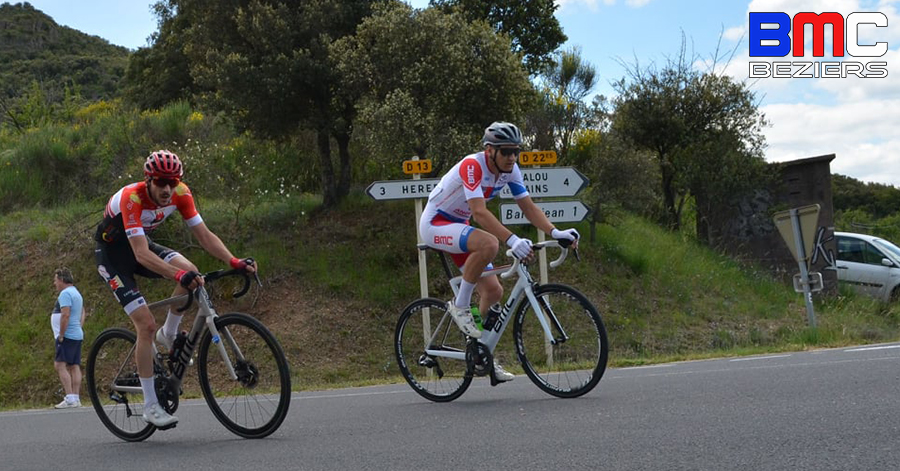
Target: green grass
x=336 y=281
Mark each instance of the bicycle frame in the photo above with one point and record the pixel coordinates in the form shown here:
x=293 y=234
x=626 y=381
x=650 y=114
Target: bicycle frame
x=205 y=320
x=522 y=290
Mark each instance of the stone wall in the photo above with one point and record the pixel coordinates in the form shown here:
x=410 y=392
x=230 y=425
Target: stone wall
x=747 y=230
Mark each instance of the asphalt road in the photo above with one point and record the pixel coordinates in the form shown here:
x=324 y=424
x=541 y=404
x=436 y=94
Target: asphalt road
x=833 y=409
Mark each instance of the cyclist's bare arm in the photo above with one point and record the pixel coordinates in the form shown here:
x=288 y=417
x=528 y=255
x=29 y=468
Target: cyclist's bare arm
x=214 y=245
x=150 y=260
x=486 y=219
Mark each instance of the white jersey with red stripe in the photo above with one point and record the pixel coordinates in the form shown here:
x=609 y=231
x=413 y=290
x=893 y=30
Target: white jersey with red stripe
x=470 y=178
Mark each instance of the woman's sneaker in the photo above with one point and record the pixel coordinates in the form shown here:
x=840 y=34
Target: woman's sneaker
x=465 y=321
x=156 y=415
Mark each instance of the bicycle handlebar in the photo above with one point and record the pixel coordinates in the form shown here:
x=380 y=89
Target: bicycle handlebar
x=563 y=253
x=215 y=275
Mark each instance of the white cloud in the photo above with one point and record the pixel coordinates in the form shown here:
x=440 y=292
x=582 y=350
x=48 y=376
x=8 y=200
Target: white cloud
x=862 y=136
x=853 y=118
x=736 y=33
x=594 y=5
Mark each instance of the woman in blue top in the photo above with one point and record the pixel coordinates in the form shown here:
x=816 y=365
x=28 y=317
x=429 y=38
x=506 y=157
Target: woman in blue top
x=70 y=307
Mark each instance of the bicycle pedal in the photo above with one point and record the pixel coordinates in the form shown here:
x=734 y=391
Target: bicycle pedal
x=494 y=380
x=167 y=427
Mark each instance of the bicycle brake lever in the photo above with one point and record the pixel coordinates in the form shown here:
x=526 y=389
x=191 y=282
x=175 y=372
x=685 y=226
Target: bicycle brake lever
x=577 y=257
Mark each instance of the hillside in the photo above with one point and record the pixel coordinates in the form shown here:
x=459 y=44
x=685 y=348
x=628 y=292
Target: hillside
x=335 y=283
x=33 y=47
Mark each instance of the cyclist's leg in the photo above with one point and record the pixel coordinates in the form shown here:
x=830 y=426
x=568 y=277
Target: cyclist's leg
x=117 y=266
x=490 y=291
x=482 y=247
x=173 y=320
x=462 y=241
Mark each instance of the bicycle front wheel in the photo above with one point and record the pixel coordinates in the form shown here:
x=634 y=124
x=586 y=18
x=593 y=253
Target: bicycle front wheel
x=574 y=361
x=255 y=403
x=426 y=325
x=110 y=369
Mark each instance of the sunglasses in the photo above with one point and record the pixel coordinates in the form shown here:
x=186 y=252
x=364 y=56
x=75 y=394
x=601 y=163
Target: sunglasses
x=169 y=182
x=509 y=151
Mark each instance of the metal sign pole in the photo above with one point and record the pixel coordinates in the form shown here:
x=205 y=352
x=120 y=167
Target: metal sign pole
x=423 y=269
x=804 y=272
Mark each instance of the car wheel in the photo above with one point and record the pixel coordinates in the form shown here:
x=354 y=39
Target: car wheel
x=895 y=295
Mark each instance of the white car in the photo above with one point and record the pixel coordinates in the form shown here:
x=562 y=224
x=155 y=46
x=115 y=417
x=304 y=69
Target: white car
x=869 y=265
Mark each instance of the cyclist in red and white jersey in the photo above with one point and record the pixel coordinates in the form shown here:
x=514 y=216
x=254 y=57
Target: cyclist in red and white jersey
x=461 y=195
x=124 y=249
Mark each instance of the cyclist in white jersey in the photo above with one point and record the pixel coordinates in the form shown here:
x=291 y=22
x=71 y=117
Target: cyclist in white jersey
x=462 y=194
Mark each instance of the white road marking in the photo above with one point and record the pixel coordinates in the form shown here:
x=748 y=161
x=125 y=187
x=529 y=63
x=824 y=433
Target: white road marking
x=880 y=347
x=759 y=358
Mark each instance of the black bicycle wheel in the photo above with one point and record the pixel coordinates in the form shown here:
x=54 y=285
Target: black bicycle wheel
x=255 y=404
x=427 y=324
x=575 y=361
x=111 y=366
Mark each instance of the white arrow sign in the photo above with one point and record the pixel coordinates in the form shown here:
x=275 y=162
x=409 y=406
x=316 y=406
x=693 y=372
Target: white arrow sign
x=550 y=182
x=402 y=189
x=556 y=211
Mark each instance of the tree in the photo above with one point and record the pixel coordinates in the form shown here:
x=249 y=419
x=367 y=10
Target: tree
x=562 y=110
x=265 y=63
x=534 y=31
x=160 y=74
x=427 y=82
x=704 y=130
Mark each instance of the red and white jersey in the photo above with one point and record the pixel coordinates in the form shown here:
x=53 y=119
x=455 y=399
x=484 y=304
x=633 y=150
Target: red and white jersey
x=133 y=213
x=470 y=178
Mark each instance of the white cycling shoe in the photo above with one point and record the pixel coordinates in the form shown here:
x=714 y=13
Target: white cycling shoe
x=502 y=375
x=464 y=320
x=156 y=415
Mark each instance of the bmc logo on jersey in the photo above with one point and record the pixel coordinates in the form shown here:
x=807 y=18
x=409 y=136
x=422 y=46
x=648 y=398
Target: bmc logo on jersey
x=769 y=38
x=470 y=173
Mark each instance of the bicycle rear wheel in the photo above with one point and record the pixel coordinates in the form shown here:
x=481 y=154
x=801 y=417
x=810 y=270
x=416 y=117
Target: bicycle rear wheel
x=111 y=363
x=573 y=364
x=255 y=404
x=427 y=324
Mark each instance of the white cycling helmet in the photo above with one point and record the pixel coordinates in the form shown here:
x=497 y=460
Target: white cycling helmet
x=502 y=133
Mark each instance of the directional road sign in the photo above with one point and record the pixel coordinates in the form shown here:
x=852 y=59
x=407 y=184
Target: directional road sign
x=556 y=211
x=550 y=182
x=402 y=189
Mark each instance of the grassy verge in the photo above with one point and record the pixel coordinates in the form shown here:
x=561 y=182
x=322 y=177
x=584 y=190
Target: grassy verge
x=335 y=282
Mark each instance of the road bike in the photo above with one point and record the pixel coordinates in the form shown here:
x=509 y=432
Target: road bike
x=559 y=337
x=241 y=368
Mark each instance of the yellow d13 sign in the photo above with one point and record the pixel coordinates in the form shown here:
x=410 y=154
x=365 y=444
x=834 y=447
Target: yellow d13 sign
x=412 y=167
x=538 y=157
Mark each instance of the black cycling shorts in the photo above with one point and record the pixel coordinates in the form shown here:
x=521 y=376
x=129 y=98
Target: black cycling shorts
x=117 y=266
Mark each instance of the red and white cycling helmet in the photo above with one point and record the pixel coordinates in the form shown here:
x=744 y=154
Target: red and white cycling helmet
x=163 y=164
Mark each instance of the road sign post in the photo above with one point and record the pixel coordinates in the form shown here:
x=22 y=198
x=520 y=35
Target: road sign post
x=797 y=227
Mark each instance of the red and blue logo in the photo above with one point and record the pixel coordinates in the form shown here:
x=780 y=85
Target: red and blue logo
x=770 y=37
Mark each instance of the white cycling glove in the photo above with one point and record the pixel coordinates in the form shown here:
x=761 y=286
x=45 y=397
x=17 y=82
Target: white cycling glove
x=569 y=234
x=521 y=247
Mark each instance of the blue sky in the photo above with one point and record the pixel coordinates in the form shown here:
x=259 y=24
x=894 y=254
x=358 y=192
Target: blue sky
x=854 y=118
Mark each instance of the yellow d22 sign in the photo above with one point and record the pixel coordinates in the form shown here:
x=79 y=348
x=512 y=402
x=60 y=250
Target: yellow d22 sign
x=538 y=157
